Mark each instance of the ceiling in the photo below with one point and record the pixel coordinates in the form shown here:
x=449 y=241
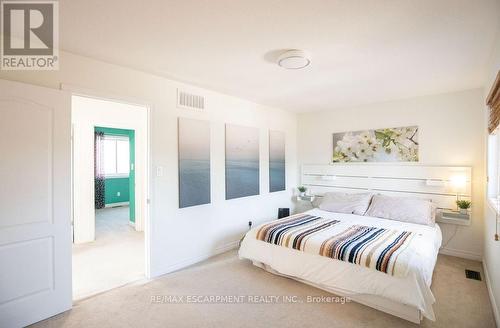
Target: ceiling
x=362 y=51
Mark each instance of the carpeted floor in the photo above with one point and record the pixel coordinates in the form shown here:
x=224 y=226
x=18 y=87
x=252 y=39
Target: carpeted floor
x=460 y=302
x=114 y=259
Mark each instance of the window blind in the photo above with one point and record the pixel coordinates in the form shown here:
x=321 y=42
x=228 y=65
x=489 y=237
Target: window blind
x=493 y=102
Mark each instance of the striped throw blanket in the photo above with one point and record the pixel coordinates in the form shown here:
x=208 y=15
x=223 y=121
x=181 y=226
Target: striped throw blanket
x=294 y=231
x=384 y=250
x=371 y=247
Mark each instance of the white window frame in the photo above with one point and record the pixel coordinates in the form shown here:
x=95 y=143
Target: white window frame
x=117 y=175
x=493 y=170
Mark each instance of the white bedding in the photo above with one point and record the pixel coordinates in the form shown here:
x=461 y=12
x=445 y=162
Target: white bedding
x=413 y=290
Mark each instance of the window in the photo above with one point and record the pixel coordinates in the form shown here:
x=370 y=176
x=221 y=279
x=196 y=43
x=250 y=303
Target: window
x=116 y=156
x=493 y=171
x=492 y=165
x=493 y=102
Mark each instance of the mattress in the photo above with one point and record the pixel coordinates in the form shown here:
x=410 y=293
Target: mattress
x=351 y=279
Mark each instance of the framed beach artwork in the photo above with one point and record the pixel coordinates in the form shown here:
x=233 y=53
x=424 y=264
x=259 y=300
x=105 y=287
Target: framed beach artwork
x=242 y=161
x=194 y=162
x=277 y=175
x=381 y=145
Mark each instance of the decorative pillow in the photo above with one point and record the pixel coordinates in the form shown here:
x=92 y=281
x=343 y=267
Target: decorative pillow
x=346 y=203
x=404 y=209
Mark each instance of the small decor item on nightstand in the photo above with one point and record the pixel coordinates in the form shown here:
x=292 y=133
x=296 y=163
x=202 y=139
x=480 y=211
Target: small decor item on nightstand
x=464 y=206
x=302 y=190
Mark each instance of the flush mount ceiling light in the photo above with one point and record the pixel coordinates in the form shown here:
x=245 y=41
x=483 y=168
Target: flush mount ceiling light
x=294 y=59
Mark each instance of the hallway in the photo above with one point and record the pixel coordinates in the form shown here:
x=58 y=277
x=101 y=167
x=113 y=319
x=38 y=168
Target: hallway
x=114 y=259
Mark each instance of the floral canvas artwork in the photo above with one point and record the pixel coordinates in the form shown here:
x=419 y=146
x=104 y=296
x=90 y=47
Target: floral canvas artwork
x=381 y=145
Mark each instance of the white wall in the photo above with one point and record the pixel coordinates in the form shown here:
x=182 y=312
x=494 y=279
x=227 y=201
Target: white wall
x=180 y=237
x=451 y=130
x=491 y=257
x=87 y=113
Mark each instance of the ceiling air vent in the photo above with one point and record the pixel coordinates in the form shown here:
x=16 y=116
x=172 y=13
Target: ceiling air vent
x=190 y=101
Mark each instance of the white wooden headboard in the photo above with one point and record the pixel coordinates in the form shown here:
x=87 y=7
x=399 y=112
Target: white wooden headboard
x=438 y=183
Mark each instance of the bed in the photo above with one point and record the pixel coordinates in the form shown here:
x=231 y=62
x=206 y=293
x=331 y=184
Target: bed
x=403 y=290
x=367 y=286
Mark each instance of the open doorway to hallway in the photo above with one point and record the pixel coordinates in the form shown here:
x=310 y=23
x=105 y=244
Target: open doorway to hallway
x=109 y=194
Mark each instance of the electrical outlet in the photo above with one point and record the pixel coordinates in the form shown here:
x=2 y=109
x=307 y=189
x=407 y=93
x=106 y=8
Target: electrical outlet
x=118 y=194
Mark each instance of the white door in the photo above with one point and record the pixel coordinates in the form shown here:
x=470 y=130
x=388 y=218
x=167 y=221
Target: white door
x=35 y=202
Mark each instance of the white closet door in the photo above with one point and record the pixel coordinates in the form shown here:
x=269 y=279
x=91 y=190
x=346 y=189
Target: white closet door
x=35 y=203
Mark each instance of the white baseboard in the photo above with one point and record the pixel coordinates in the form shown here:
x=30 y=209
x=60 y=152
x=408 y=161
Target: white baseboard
x=116 y=204
x=490 y=293
x=187 y=262
x=460 y=253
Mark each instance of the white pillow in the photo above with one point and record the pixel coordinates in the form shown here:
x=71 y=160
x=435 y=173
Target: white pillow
x=346 y=203
x=404 y=209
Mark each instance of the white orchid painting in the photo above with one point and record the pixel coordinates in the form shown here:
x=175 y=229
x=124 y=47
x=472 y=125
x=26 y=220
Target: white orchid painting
x=381 y=145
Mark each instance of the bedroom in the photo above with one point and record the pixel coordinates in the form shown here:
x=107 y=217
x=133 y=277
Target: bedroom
x=213 y=68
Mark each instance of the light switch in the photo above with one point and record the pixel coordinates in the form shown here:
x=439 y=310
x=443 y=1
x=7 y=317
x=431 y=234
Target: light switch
x=118 y=194
x=159 y=171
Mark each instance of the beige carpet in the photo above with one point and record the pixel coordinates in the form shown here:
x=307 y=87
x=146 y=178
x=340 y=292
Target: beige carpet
x=460 y=302
x=114 y=259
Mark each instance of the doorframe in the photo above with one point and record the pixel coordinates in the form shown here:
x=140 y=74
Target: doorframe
x=144 y=224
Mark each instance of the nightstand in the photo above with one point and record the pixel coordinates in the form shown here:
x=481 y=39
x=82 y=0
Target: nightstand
x=304 y=203
x=453 y=217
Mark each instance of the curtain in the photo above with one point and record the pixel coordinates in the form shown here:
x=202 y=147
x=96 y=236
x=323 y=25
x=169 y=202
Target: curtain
x=493 y=102
x=99 y=169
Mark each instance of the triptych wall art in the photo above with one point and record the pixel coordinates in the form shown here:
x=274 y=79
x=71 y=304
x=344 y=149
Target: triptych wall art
x=276 y=161
x=194 y=162
x=242 y=161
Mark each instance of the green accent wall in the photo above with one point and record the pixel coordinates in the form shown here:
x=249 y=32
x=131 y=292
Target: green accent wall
x=132 y=176
x=113 y=185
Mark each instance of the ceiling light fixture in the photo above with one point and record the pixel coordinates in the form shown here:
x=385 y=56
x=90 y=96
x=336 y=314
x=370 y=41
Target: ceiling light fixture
x=294 y=59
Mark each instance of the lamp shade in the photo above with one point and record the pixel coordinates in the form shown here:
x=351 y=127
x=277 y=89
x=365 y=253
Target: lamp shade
x=458 y=182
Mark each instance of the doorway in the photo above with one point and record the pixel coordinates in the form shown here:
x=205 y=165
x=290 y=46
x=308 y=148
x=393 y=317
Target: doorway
x=110 y=183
